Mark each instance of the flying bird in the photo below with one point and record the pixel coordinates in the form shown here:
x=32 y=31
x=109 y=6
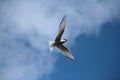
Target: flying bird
x=58 y=42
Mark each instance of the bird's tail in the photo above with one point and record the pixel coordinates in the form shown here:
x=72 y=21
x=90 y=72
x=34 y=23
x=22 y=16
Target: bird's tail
x=51 y=44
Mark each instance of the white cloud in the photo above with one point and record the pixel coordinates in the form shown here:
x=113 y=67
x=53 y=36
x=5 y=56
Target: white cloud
x=27 y=25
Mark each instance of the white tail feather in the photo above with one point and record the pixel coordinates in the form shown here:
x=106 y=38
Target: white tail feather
x=51 y=44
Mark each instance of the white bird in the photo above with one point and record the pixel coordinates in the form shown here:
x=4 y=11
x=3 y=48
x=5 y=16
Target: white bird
x=58 y=42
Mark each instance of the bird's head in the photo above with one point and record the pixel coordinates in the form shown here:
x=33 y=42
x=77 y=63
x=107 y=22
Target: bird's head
x=65 y=40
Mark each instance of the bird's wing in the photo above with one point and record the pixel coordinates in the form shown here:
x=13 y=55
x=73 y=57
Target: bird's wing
x=65 y=51
x=61 y=28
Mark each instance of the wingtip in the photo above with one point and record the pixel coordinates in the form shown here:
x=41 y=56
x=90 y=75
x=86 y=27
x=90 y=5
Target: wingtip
x=72 y=58
x=64 y=16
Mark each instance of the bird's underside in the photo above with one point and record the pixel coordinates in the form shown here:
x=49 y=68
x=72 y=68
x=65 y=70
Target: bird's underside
x=59 y=43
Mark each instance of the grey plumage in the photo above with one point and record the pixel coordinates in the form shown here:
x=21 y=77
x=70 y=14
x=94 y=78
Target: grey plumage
x=66 y=52
x=61 y=29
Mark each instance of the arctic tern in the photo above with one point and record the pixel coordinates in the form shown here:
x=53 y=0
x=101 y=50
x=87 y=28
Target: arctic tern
x=58 y=42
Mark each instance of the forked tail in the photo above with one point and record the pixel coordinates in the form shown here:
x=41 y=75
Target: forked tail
x=51 y=44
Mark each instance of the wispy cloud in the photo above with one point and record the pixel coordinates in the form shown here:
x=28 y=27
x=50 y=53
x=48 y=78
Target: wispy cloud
x=24 y=46
x=27 y=25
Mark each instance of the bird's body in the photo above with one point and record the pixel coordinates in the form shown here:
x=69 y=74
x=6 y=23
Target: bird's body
x=55 y=43
x=58 y=42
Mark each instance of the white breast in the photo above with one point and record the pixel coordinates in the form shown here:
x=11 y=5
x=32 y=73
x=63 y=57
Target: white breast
x=62 y=40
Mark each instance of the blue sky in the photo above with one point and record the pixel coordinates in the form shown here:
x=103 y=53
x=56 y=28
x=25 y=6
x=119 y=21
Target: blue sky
x=97 y=58
x=92 y=31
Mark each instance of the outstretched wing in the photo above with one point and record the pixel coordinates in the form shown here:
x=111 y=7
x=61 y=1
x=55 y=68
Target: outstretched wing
x=65 y=51
x=61 y=29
